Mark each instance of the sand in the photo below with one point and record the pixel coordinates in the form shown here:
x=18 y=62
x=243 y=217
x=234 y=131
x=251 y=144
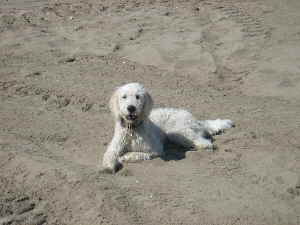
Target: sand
x=235 y=59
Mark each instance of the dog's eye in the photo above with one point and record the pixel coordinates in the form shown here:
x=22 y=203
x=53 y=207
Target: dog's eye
x=124 y=96
x=137 y=97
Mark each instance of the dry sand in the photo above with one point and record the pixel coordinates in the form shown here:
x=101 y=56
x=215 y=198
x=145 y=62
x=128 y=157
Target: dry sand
x=237 y=59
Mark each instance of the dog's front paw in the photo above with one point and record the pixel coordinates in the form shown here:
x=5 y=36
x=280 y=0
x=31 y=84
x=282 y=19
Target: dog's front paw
x=110 y=169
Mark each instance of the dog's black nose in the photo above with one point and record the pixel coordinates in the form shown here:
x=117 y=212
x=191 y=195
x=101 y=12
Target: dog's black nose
x=131 y=108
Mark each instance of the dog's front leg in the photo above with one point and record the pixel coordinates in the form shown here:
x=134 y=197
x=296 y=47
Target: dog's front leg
x=116 y=147
x=137 y=156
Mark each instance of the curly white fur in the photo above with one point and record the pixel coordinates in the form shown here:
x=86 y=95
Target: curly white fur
x=140 y=132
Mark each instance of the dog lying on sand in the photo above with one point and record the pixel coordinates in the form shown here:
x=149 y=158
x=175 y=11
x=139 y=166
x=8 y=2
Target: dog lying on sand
x=140 y=132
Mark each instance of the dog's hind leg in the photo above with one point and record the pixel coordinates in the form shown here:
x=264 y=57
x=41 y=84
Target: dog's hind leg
x=202 y=143
x=192 y=137
x=216 y=126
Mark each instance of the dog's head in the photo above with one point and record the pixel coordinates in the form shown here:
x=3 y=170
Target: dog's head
x=131 y=103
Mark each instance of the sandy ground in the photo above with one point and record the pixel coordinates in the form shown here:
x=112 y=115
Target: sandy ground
x=236 y=59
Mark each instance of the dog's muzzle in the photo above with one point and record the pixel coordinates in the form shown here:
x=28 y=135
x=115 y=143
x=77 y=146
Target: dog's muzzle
x=131 y=117
x=131 y=121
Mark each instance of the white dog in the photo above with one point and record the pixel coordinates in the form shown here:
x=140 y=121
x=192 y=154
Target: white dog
x=140 y=132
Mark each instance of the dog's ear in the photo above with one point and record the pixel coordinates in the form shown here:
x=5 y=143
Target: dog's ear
x=148 y=104
x=114 y=104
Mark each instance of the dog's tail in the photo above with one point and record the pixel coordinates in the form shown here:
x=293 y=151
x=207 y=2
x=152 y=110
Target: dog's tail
x=216 y=126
